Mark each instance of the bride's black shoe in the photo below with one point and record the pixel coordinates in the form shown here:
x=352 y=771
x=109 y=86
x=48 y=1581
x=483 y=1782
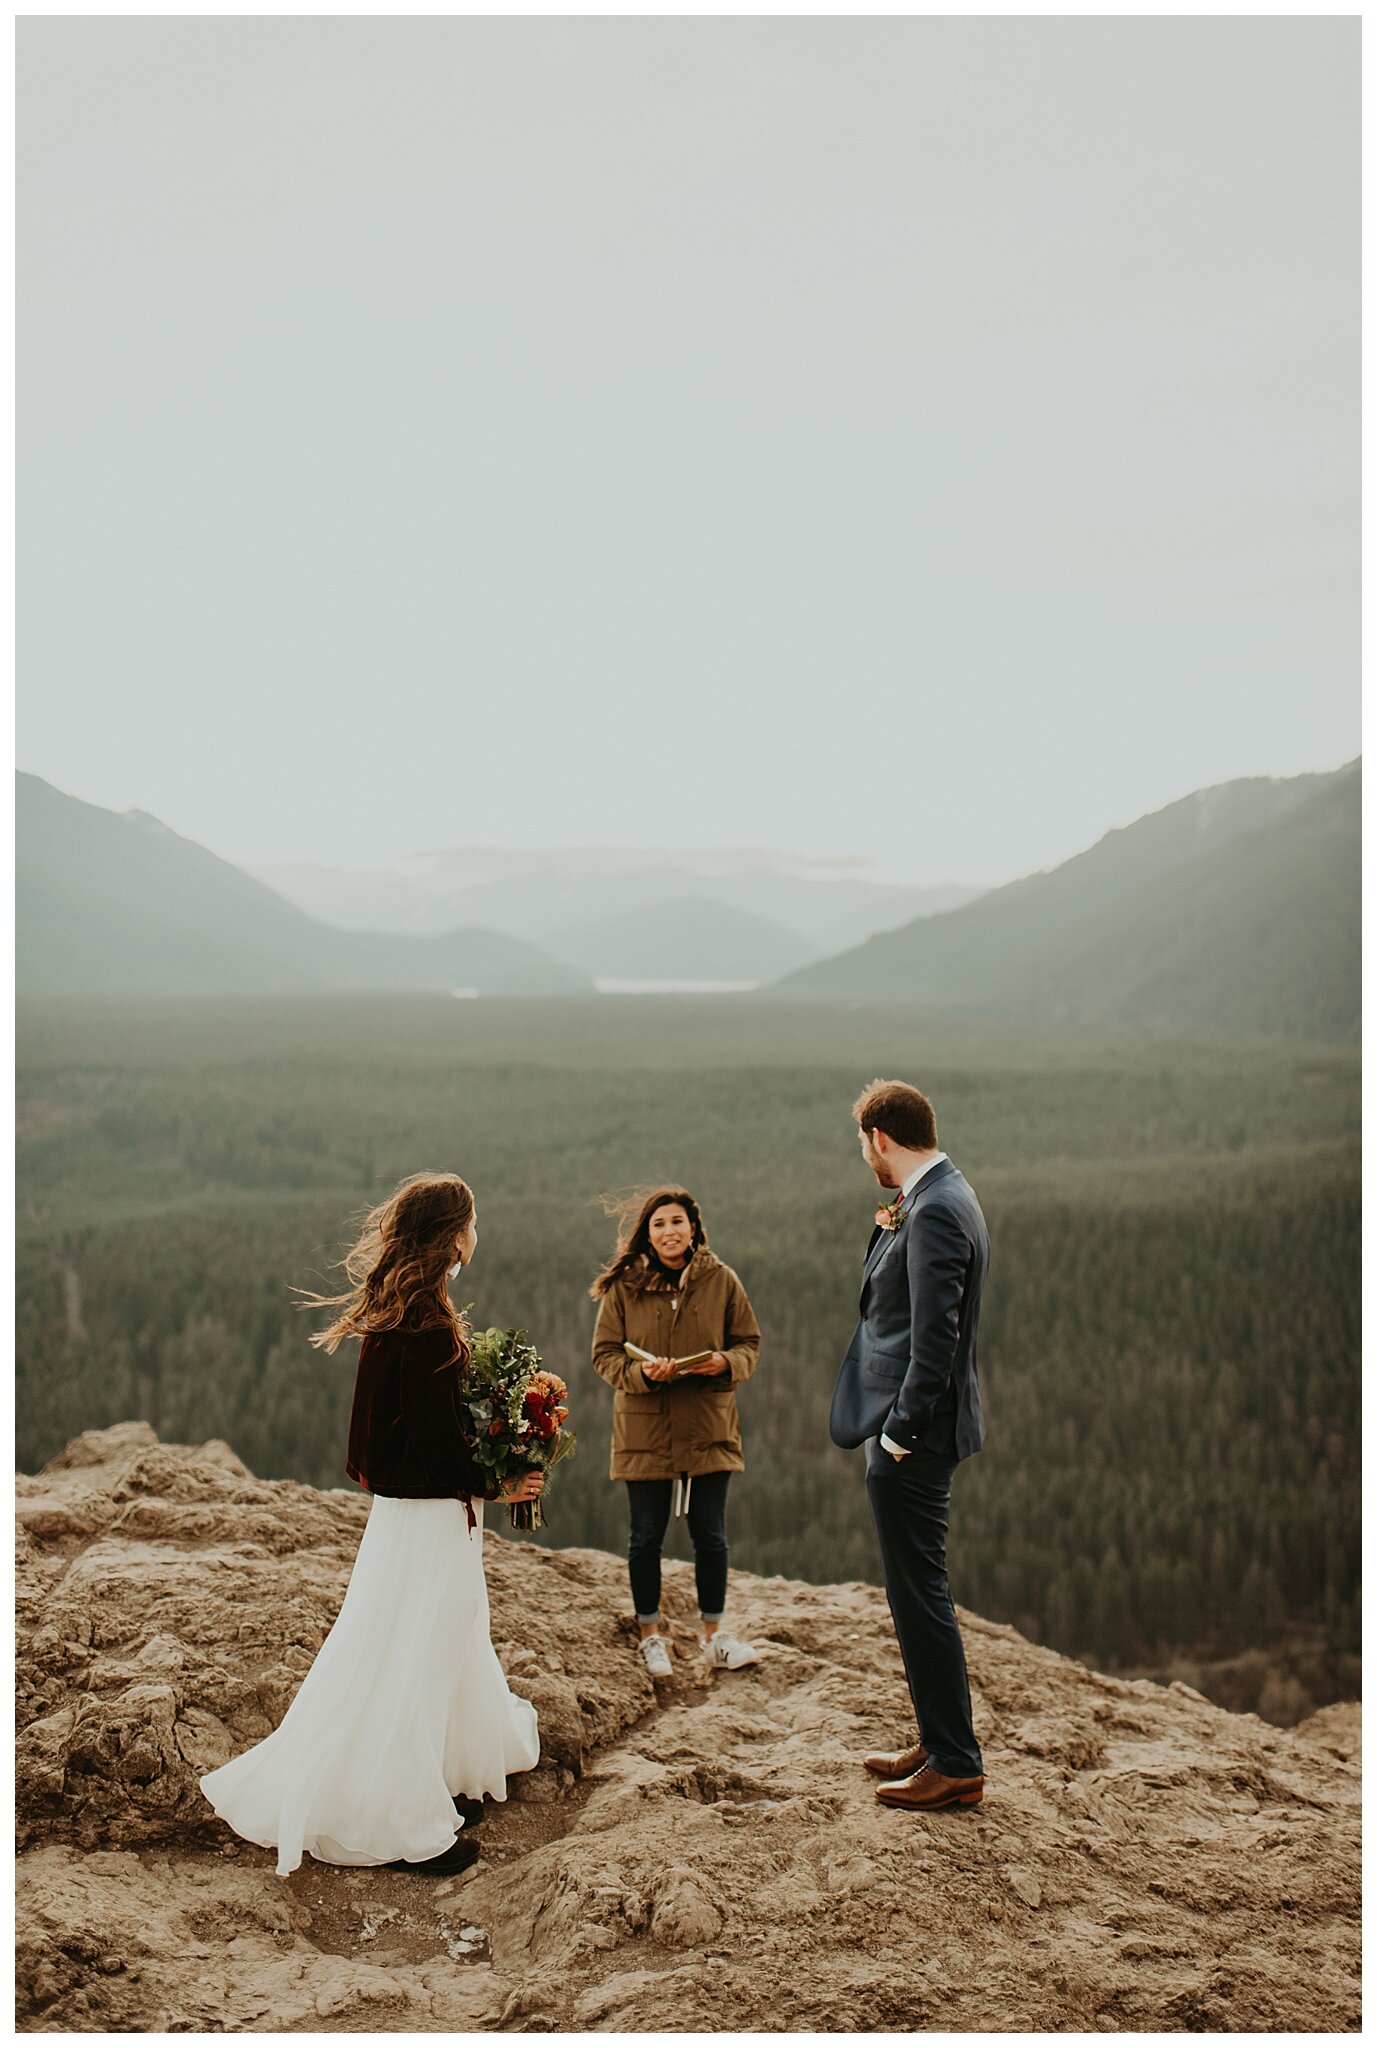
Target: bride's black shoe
x=470 y=1811
x=460 y=1854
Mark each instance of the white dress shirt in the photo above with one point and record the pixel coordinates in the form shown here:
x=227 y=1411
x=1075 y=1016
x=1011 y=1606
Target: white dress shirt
x=897 y=1450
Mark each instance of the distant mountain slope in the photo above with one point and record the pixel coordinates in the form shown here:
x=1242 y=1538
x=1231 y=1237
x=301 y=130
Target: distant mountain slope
x=542 y=893
x=691 y=938
x=105 y=901
x=1236 y=910
x=1261 y=938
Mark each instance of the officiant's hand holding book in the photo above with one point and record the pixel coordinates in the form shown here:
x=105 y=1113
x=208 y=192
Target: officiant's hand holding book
x=678 y=1368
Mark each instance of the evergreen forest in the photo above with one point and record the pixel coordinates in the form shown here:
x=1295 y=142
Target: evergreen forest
x=1169 y=1345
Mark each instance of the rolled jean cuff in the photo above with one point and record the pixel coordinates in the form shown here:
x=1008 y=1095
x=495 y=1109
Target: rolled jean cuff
x=710 y=1617
x=644 y=1618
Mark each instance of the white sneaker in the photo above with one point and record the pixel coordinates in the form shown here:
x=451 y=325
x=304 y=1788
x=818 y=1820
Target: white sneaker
x=655 y=1657
x=725 y=1653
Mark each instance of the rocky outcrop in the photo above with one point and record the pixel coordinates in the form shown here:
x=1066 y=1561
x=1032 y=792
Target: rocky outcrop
x=711 y=1859
x=170 y=1604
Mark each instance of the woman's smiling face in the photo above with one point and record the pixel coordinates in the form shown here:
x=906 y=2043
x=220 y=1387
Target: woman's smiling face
x=671 y=1233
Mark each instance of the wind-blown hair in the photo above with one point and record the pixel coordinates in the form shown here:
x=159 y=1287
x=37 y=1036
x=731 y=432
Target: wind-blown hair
x=399 y=1264
x=633 y=1213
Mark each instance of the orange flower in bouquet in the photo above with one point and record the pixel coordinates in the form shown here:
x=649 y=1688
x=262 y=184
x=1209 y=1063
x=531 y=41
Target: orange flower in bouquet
x=514 y=1411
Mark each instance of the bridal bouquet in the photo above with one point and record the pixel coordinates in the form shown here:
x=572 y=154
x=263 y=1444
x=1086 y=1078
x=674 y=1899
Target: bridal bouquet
x=514 y=1410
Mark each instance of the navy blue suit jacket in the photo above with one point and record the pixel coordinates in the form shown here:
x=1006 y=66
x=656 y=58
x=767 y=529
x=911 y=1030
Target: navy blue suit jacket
x=910 y=1369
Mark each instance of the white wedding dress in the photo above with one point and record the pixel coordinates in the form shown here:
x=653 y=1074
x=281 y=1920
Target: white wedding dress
x=405 y=1704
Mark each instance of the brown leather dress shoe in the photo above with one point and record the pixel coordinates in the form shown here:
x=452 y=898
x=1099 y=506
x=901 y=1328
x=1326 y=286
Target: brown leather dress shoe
x=927 y=1791
x=898 y=1763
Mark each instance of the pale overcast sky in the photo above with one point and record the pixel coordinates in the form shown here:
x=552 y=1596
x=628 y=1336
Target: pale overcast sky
x=927 y=438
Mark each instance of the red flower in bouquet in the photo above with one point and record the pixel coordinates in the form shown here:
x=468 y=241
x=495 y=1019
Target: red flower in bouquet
x=515 y=1410
x=545 y=1405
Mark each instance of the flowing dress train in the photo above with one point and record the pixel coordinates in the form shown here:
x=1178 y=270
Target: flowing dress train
x=405 y=1704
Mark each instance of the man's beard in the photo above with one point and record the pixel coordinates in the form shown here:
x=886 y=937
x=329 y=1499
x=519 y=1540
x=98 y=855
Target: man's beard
x=883 y=1174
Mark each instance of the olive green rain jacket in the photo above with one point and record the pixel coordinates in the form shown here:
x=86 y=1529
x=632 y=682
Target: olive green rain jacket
x=688 y=1426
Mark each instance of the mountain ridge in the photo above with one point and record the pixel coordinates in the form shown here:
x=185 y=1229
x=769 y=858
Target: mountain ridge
x=541 y=894
x=108 y=900
x=1059 y=943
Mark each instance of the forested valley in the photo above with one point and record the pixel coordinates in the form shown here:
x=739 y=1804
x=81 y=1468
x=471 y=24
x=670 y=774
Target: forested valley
x=1169 y=1346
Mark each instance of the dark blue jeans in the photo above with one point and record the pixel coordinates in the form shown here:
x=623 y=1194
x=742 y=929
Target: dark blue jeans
x=910 y=1499
x=649 y=1501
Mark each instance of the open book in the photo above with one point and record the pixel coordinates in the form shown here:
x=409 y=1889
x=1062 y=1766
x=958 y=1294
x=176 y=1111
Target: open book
x=679 y=1364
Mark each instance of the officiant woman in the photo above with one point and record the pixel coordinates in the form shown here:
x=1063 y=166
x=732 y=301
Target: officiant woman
x=676 y=1434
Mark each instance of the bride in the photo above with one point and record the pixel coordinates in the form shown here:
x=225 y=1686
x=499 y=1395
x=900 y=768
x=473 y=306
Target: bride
x=404 y=1722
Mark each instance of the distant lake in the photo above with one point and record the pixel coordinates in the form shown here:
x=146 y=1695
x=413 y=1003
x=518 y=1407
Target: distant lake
x=609 y=987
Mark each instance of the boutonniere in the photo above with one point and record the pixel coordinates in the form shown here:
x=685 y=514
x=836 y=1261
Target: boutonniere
x=890 y=1215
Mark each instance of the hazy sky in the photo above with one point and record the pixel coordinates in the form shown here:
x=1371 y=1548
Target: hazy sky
x=934 y=439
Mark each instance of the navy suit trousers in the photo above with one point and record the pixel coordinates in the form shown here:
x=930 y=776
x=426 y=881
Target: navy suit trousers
x=909 y=1499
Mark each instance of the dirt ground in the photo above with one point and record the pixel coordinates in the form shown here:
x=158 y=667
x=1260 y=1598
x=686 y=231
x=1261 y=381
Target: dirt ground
x=709 y=1856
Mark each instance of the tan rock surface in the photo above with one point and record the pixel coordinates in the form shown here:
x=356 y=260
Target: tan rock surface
x=712 y=1860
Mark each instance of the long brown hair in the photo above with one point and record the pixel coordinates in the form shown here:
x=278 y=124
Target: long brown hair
x=633 y=1213
x=399 y=1264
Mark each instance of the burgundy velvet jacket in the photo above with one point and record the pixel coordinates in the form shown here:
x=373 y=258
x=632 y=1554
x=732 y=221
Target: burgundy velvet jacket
x=405 y=1435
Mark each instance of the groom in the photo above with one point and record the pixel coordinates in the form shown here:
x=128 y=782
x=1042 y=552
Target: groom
x=907 y=1390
